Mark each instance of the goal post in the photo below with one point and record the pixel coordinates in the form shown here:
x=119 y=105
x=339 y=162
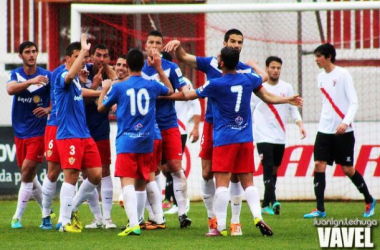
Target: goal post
x=290 y=31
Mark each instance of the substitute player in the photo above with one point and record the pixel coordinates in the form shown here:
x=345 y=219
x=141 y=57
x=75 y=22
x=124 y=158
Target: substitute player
x=76 y=148
x=135 y=114
x=269 y=122
x=233 y=147
x=30 y=86
x=335 y=139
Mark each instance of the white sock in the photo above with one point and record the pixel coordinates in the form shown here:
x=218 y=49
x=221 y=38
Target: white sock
x=158 y=181
x=180 y=190
x=37 y=191
x=84 y=192
x=253 y=200
x=141 y=203
x=236 y=193
x=220 y=206
x=107 y=195
x=66 y=197
x=48 y=192
x=93 y=202
x=155 y=202
x=130 y=205
x=24 y=194
x=208 y=193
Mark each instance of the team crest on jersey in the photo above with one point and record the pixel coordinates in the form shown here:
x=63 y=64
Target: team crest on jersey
x=49 y=153
x=36 y=99
x=138 y=126
x=239 y=120
x=71 y=160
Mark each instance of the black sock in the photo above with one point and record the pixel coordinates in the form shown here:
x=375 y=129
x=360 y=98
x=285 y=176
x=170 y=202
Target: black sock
x=274 y=177
x=319 y=190
x=169 y=193
x=359 y=182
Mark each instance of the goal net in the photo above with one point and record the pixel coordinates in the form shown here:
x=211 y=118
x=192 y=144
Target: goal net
x=291 y=31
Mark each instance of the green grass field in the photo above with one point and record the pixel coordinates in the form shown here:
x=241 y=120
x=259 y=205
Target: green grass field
x=291 y=231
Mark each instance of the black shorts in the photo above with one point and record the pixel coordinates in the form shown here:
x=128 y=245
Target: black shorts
x=338 y=148
x=272 y=151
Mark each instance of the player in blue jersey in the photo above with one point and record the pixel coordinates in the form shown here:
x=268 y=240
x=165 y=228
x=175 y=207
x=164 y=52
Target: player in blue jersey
x=233 y=140
x=167 y=122
x=135 y=99
x=30 y=86
x=77 y=150
x=209 y=65
x=99 y=126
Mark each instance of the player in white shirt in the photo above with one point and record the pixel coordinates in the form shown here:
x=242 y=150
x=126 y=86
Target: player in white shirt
x=335 y=139
x=269 y=123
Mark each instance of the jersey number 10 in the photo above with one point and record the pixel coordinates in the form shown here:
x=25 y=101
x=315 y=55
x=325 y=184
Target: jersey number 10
x=143 y=110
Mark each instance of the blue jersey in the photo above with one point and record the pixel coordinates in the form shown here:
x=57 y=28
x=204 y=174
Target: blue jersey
x=136 y=100
x=71 y=116
x=209 y=66
x=52 y=120
x=231 y=97
x=25 y=124
x=166 y=115
x=157 y=132
x=98 y=123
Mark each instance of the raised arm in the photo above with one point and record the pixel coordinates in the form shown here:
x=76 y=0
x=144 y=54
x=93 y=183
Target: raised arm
x=181 y=54
x=253 y=64
x=106 y=84
x=77 y=65
x=155 y=61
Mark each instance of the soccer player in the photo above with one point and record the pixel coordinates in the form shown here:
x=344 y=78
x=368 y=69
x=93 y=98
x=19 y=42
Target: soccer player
x=269 y=122
x=209 y=65
x=135 y=114
x=30 y=86
x=233 y=141
x=335 y=139
x=167 y=122
x=99 y=126
x=77 y=150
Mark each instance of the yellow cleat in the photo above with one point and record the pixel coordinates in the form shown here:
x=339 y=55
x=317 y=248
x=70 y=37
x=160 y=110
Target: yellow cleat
x=131 y=231
x=76 y=221
x=70 y=228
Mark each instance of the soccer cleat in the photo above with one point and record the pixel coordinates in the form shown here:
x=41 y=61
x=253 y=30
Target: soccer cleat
x=184 y=221
x=69 y=228
x=16 y=223
x=131 y=231
x=46 y=223
x=154 y=226
x=172 y=210
x=52 y=215
x=315 y=214
x=166 y=204
x=58 y=225
x=76 y=221
x=235 y=229
x=267 y=210
x=276 y=207
x=216 y=232
x=95 y=224
x=212 y=224
x=264 y=228
x=370 y=209
x=108 y=224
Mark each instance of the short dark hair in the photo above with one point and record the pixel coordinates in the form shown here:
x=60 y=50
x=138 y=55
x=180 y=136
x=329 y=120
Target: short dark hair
x=232 y=32
x=230 y=57
x=135 y=60
x=98 y=46
x=73 y=46
x=155 y=33
x=167 y=56
x=273 y=59
x=26 y=45
x=123 y=56
x=326 y=50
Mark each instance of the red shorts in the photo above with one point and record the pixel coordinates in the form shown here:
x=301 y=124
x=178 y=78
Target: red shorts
x=51 y=149
x=29 y=149
x=78 y=153
x=104 y=147
x=234 y=158
x=133 y=165
x=156 y=155
x=206 y=142
x=171 y=144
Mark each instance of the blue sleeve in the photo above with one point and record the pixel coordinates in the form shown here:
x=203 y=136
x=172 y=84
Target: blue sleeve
x=206 y=90
x=203 y=63
x=12 y=76
x=256 y=80
x=161 y=89
x=111 y=97
x=60 y=83
x=176 y=77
